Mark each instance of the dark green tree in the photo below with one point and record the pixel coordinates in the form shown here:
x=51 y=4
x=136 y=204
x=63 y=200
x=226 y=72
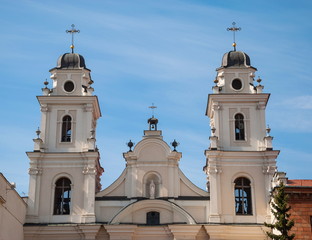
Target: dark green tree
x=280 y=210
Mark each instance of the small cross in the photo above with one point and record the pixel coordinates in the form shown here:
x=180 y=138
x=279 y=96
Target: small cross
x=234 y=29
x=72 y=32
x=152 y=107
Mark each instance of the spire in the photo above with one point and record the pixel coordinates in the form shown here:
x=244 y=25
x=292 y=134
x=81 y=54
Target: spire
x=72 y=32
x=234 y=29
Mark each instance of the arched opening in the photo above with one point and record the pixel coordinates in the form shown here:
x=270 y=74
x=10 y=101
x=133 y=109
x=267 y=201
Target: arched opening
x=66 y=129
x=62 y=197
x=152 y=218
x=239 y=127
x=243 y=199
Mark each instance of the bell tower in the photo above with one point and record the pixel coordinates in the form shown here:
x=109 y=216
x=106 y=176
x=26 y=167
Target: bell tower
x=64 y=165
x=240 y=161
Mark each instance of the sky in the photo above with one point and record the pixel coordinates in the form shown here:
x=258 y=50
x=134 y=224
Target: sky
x=164 y=52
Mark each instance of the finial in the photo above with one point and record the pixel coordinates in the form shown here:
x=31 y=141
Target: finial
x=72 y=32
x=234 y=29
x=92 y=133
x=46 y=83
x=213 y=130
x=130 y=145
x=174 y=144
x=38 y=133
x=216 y=81
x=268 y=130
x=152 y=107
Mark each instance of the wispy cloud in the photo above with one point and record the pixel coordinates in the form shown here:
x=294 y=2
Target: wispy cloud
x=300 y=102
x=145 y=51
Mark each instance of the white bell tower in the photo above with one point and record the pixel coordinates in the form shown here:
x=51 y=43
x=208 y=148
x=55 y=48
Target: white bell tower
x=240 y=161
x=64 y=166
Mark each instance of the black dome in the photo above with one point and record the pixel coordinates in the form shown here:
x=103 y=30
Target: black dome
x=71 y=61
x=235 y=59
x=152 y=120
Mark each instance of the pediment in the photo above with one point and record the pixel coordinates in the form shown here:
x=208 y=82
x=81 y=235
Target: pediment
x=151 y=150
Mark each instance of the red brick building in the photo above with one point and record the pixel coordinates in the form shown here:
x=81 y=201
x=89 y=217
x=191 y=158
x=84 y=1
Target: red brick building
x=300 y=200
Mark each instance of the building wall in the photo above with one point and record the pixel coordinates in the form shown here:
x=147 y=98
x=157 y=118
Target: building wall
x=139 y=232
x=300 y=200
x=12 y=212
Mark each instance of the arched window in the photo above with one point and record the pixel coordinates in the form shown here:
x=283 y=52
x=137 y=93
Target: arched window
x=239 y=127
x=243 y=196
x=152 y=218
x=66 y=129
x=62 y=197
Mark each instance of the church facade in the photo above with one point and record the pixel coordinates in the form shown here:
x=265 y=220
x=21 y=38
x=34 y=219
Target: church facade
x=152 y=198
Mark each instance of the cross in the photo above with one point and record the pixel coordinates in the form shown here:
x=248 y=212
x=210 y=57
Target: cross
x=72 y=32
x=234 y=29
x=152 y=107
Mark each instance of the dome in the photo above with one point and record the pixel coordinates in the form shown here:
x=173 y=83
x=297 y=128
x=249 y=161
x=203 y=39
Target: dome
x=235 y=59
x=71 y=61
x=152 y=120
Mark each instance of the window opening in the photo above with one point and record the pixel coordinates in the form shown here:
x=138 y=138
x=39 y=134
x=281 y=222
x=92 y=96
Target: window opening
x=242 y=196
x=66 y=129
x=152 y=218
x=62 y=197
x=239 y=127
x=69 y=86
x=237 y=84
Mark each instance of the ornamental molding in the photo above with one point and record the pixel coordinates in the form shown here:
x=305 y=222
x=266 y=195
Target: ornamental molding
x=213 y=170
x=35 y=171
x=88 y=108
x=89 y=171
x=44 y=108
x=217 y=107
x=260 y=106
x=53 y=76
x=270 y=170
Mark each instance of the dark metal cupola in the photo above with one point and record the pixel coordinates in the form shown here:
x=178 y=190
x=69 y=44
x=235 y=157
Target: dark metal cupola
x=152 y=123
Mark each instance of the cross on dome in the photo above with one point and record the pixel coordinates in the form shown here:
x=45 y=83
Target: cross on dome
x=152 y=121
x=152 y=107
x=72 y=32
x=234 y=29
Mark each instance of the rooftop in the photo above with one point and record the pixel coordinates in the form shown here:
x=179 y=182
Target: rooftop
x=299 y=182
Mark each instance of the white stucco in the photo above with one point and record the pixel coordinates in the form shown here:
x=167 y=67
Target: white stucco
x=152 y=198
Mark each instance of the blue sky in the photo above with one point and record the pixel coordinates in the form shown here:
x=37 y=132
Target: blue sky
x=161 y=52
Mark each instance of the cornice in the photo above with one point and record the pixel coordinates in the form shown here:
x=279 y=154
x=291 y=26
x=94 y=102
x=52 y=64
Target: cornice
x=218 y=99
x=45 y=101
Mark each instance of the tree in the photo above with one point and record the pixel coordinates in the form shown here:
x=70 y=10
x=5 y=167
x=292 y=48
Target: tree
x=280 y=210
